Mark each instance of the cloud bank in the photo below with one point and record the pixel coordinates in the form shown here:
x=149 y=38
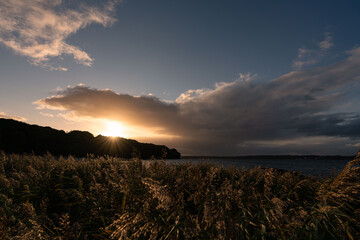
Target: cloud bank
x=38 y=29
x=299 y=112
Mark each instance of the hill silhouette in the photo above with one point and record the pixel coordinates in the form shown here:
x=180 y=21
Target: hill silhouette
x=20 y=137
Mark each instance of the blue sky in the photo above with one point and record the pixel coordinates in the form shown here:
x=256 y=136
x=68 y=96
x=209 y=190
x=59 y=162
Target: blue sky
x=184 y=58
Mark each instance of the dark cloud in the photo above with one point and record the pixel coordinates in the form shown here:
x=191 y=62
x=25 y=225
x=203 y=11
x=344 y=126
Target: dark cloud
x=232 y=117
x=142 y=111
x=339 y=124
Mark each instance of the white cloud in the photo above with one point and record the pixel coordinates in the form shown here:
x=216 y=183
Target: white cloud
x=17 y=118
x=308 y=57
x=327 y=42
x=38 y=29
x=47 y=114
x=195 y=94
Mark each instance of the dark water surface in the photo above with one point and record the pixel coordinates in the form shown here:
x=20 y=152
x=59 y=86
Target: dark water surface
x=315 y=167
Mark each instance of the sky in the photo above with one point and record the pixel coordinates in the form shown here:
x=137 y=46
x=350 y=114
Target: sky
x=205 y=77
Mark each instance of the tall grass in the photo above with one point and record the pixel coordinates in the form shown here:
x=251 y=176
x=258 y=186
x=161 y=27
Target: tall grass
x=109 y=198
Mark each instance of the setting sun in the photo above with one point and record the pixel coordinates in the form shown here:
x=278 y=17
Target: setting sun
x=114 y=129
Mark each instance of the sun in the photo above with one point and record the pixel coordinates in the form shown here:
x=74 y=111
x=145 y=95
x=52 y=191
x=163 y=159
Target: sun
x=114 y=129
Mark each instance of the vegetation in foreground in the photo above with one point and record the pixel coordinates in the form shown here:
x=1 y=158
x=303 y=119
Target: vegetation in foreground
x=108 y=198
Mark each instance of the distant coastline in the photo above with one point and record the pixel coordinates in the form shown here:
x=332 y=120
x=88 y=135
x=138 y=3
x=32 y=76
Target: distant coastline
x=285 y=157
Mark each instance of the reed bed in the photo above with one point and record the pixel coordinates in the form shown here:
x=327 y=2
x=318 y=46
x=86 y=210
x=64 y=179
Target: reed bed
x=109 y=198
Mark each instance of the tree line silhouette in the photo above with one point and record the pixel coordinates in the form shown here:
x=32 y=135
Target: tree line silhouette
x=19 y=137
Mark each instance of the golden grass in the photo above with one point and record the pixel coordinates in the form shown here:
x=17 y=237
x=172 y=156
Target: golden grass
x=109 y=198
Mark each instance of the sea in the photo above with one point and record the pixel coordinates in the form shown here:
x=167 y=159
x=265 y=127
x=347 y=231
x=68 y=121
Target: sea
x=305 y=165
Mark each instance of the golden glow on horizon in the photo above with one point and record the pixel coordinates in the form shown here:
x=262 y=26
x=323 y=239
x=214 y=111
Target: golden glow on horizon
x=114 y=129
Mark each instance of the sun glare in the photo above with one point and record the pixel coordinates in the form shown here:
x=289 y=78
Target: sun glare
x=114 y=129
